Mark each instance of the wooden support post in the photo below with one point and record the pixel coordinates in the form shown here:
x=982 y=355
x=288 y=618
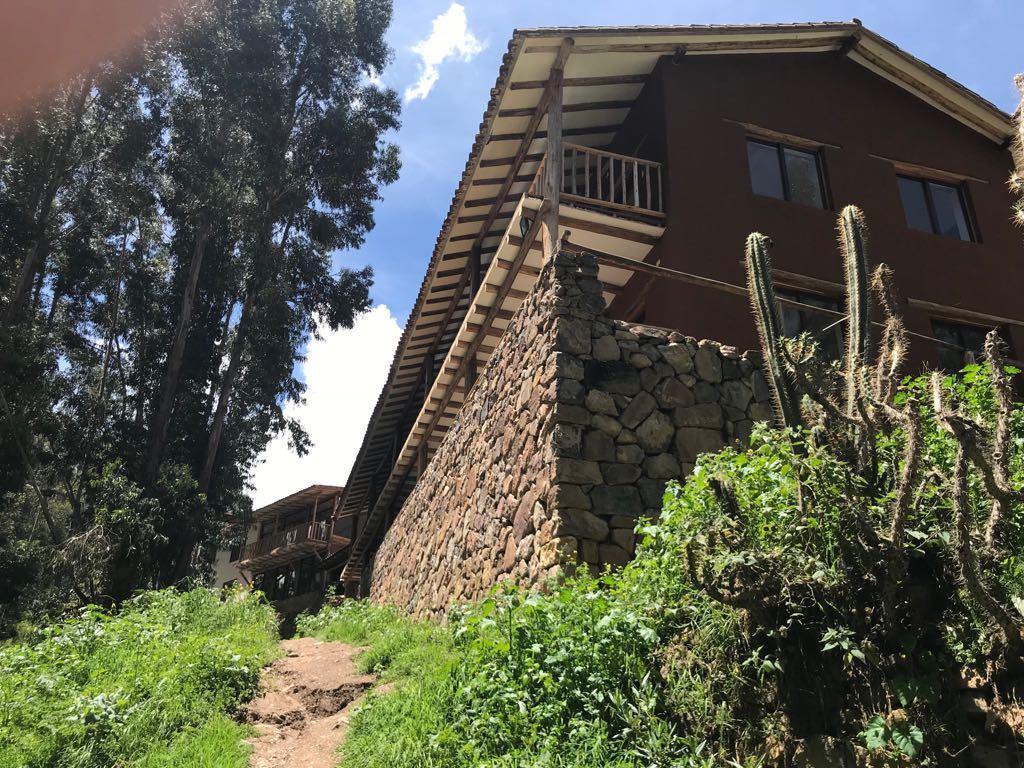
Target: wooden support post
x=553 y=165
x=421 y=458
x=474 y=270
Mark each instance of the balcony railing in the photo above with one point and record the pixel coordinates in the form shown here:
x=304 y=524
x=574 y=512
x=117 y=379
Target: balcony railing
x=607 y=179
x=316 y=533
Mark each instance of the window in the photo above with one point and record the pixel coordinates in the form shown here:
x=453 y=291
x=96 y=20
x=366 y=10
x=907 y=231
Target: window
x=797 y=320
x=962 y=344
x=933 y=207
x=785 y=173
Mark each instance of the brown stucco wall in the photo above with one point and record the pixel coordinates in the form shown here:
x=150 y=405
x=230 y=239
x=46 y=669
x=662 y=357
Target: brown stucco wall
x=711 y=208
x=569 y=436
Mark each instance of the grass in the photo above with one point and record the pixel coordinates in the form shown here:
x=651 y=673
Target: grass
x=150 y=686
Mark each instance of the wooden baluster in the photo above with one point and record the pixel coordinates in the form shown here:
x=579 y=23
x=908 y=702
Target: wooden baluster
x=586 y=173
x=636 y=184
x=647 y=180
x=600 y=191
x=573 y=150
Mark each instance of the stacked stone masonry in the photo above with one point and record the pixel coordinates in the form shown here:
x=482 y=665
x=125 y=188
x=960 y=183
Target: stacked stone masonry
x=569 y=436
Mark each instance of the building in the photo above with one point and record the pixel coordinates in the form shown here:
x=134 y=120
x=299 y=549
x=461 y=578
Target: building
x=289 y=549
x=549 y=381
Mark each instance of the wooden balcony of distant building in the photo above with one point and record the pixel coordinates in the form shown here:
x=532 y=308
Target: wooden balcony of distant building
x=290 y=544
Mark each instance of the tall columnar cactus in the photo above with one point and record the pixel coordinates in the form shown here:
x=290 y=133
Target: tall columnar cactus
x=769 y=328
x=853 y=242
x=1017 y=148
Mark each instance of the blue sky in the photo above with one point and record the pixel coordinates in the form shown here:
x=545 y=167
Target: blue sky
x=973 y=41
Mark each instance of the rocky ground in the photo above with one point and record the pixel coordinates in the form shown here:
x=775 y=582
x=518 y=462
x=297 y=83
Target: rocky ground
x=307 y=699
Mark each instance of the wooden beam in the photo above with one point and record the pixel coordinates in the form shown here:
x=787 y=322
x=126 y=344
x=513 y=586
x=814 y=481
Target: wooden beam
x=583 y=106
x=582 y=130
x=499 y=162
x=583 y=82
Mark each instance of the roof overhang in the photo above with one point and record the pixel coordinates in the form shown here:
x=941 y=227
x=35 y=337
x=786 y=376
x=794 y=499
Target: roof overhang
x=294 y=502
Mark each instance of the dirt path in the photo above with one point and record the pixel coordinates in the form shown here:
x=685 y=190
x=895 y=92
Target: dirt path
x=307 y=700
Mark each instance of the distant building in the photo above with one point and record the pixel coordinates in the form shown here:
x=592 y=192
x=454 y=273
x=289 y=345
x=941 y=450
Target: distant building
x=550 y=379
x=289 y=549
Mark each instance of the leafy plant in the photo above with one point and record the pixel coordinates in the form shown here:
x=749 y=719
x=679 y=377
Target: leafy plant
x=148 y=686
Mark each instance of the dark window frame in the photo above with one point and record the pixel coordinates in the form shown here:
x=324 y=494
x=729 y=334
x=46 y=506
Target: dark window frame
x=929 y=200
x=958 y=326
x=780 y=153
x=805 y=297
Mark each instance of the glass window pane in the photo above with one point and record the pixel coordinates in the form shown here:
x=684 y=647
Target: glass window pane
x=915 y=207
x=765 y=172
x=949 y=211
x=802 y=175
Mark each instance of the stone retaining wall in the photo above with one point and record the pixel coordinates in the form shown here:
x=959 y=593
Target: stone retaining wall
x=570 y=434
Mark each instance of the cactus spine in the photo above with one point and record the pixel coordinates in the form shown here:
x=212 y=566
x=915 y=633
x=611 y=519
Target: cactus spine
x=769 y=329
x=853 y=242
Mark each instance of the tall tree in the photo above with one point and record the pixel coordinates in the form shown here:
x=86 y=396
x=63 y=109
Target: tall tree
x=157 y=216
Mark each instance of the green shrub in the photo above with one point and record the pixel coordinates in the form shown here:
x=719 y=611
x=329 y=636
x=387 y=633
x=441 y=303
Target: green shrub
x=141 y=687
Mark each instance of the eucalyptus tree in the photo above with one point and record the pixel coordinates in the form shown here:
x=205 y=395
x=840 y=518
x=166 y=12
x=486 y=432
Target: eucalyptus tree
x=159 y=214
x=316 y=124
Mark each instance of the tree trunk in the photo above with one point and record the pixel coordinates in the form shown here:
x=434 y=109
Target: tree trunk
x=169 y=386
x=227 y=386
x=44 y=206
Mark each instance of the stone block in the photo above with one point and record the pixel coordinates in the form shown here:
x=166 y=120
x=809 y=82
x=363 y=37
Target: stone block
x=577 y=471
x=626 y=437
x=639 y=408
x=655 y=434
x=671 y=393
x=613 y=377
x=708 y=363
x=567 y=495
x=598 y=401
x=707 y=415
x=629 y=454
x=569 y=391
x=598 y=446
x=613 y=555
x=581 y=524
x=662 y=466
x=625 y=538
x=572 y=414
x=691 y=442
x=706 y=393
x=589 y=552
x=567 y=439
x=761 y=412
x=606 y=424
x=558 y=551
x=652 y=492
x=737 y=394
x=678 y=356
x=639 y=360
x=605 y=349
x=616 y=500
x=568 y=366
x=620 y=474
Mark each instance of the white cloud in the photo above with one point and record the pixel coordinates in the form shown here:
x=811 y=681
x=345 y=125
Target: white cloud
x=449 y=38
x=344 y=373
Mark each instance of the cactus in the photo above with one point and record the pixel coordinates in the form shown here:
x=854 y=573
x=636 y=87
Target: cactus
x=853 y=245
x=1017 y=147
x=769 y=329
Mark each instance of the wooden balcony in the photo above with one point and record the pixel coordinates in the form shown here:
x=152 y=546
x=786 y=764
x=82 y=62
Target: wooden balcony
x=608 y=182
x=289 y=544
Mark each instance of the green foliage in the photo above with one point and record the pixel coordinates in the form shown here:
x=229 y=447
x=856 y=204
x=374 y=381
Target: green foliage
x=172 y=207
x=752 y=619
x=147 y=686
